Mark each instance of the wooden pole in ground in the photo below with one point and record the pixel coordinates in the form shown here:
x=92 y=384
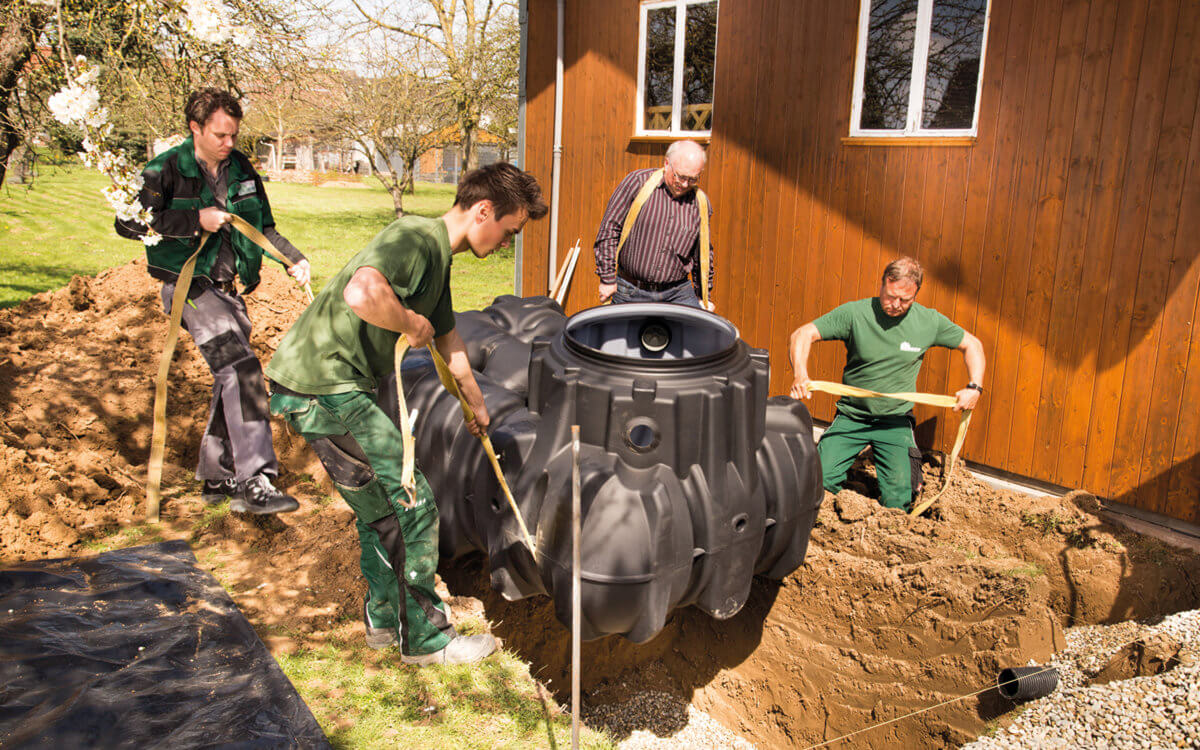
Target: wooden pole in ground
x=576 y=596
x=560 y=295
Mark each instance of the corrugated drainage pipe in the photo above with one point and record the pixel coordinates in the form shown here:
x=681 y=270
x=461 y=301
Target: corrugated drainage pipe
x=1027 y=683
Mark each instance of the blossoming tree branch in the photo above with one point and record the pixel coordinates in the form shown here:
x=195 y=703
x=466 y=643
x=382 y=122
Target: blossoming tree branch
x=78 y=105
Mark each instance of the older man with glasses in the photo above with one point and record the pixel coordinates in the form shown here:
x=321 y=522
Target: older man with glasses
x=655 y=234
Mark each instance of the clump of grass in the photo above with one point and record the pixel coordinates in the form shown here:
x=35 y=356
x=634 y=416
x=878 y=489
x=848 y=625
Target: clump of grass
x=130 y=536
x=1029 y=570
x=364 y=699
x=1052 y=523
x=210 y=516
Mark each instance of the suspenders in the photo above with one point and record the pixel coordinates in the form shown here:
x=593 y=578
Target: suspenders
x=701 y=203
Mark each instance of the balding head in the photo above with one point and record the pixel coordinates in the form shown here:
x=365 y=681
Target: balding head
x=684 y=163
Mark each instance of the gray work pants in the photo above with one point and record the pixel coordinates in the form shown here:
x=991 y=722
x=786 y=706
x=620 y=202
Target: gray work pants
x=237 y=438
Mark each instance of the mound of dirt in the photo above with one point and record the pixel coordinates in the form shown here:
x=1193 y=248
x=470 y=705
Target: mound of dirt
x=888 y=615
x=77 y=369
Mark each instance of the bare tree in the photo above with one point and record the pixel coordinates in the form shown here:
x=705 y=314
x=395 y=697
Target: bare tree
x=393 y=116
x=469 y=48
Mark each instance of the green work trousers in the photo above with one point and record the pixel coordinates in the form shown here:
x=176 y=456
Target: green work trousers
x=362 y=450
x=893 y=445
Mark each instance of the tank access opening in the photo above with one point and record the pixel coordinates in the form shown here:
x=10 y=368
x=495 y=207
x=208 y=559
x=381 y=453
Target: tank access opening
x=650 y=331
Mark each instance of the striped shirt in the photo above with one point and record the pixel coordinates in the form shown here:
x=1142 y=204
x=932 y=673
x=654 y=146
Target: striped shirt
x=665 y=241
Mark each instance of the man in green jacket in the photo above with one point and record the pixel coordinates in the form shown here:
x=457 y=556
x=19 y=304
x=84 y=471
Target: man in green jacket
x=886 y=339
x=192 y=189
x=324 y=378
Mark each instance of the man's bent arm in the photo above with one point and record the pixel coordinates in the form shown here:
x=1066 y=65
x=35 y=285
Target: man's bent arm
x=454 y=351
x=976 y=361
x=371 y=298
x=799 y=345
x=609 y=234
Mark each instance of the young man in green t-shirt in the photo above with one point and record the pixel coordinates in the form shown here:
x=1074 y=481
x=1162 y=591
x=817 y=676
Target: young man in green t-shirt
x=886 y=339
x=324 y=377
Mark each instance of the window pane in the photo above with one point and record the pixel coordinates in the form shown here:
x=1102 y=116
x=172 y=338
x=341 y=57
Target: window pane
x=660 y=65
x=699 y=60
x=888 y=74
x=955 y=44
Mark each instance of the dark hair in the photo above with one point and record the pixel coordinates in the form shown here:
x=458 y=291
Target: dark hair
x=904 y=268
x=506 y=186
x=203 y=103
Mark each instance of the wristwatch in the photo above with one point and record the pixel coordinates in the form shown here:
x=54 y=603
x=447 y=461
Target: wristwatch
x=975 y=386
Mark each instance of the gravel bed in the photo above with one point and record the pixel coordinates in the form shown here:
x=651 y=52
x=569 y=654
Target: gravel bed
x=653 y=720
x=1155 y=711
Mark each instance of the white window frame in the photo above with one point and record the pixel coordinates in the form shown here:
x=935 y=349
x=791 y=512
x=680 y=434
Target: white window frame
x=677 y=84
x=916 y=93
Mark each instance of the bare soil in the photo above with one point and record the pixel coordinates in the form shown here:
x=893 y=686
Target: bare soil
x=888 y=615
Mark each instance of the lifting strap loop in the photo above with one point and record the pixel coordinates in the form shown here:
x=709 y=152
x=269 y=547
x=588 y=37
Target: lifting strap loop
x=643 y=195
x=407 y=478
x=929 y=399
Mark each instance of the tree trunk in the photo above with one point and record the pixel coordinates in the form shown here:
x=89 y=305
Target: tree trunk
x=16 y=47
x=410 y=169
x=470 y=160
x=396 y=188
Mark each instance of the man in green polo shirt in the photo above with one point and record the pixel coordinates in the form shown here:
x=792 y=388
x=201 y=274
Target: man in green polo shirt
x=325 y=373
x=886 y=339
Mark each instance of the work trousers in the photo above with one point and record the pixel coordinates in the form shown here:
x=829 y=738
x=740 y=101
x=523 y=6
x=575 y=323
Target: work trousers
x=362 y=450
x=237 y=438
x=683 y=294
x=894 y=449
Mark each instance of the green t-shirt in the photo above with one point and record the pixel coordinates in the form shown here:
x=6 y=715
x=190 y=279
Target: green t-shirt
x=332 y=350
x=884 y=353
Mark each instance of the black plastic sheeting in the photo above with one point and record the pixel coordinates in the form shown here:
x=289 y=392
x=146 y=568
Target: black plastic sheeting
x=137 y=648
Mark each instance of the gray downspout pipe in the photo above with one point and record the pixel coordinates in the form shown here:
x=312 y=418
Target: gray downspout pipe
x=523 y=22
x=556 y=170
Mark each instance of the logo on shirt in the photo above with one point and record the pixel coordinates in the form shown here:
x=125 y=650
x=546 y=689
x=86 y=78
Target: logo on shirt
x=246 y=187
x=907 y=347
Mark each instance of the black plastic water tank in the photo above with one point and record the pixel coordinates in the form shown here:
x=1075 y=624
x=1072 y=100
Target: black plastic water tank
x=692 y=480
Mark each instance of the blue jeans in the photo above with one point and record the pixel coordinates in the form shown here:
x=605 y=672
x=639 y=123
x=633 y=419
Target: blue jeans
x=683 y=294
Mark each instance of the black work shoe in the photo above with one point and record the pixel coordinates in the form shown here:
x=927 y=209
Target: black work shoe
x=259 y=496
x=216 y=490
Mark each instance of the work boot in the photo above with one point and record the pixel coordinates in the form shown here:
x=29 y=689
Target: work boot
x=464 y=649
x=381 y=638
x=216 y=490
x=259 y=496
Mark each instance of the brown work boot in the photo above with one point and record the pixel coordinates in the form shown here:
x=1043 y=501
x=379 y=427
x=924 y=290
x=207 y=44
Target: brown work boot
x=464 y=649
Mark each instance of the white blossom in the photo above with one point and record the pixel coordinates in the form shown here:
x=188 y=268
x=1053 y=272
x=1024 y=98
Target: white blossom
x=243 y=36
x=207 y=20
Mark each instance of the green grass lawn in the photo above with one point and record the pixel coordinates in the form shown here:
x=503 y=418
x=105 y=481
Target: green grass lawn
x=60 y=226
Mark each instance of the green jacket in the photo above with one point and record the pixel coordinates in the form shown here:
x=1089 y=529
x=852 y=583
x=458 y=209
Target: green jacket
x=175 y=191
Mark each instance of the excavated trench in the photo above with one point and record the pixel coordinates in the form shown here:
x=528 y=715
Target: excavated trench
x=885 y=615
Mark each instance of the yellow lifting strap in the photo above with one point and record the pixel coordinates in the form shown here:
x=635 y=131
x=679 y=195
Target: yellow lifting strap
x=158 y=438
x=929 y=399
x=258 y=238
x=643 y=195
x=408 y=467
x=451 y=385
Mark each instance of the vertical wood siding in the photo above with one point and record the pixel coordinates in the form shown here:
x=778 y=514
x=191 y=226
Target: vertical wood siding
x=1066 y=236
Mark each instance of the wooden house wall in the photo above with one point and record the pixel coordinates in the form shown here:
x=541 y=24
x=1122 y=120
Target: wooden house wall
x=1065 y=236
